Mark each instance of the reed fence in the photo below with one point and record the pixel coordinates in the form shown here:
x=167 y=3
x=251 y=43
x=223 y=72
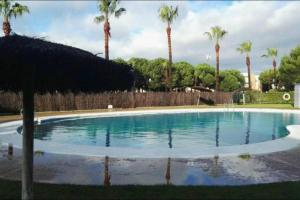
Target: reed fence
x=12 y=102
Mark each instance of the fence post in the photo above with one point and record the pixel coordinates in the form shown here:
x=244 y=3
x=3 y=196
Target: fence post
x=133 y=99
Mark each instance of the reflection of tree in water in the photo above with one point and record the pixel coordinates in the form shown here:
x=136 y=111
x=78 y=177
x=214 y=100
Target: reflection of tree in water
x=106 y=181
x=248 y=129
x=217 y=129
x=170 y=139
x=153 y=123
x=168 y=172
x=215 y=171
x=274 y=127
x=43 y=131
x=92 y=132
x=107 y=141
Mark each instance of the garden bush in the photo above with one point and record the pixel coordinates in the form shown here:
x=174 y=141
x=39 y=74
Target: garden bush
x=271 y=97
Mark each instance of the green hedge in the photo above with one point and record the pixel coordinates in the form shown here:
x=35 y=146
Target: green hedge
x=271 y=97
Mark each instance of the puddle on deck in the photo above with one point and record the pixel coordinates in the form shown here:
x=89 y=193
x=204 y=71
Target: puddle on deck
x=52 y=168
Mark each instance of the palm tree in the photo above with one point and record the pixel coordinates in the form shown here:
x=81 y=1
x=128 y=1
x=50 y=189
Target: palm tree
x=216 y=34
x=245 y=47
x=272 y=53
x=168 y=14
x=7 y=10
x=108 y=8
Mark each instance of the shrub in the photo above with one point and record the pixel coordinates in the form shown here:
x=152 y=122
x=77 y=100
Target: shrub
x=271 y=97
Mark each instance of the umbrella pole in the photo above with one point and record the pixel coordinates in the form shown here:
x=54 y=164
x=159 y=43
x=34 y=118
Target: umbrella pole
x=28 y=129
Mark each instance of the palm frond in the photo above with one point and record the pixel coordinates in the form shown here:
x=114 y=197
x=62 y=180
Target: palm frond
x=18 y=10
x=210 y=36
x=104 y=6
x=1 y=7
x=275 y=52
x=164 y=13
x=99 y=19
x=173 y=14
x=119 y=12
x=245 y=47
x=5 y=6
x=168 y=13
x=271 y=53
x=223 y=33
x=112 y=6
x=216 y=33
x=108 y=8
x=241 y=50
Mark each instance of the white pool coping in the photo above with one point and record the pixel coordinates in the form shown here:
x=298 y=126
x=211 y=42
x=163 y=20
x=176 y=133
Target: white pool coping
x=9 y=135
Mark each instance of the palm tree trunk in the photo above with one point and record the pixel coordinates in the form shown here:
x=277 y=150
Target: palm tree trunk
x=169 y=76
x=249 y=72
x=6 y=27
x=217 y=48
x=28 y=129
x=106 y=39
x=274 y=70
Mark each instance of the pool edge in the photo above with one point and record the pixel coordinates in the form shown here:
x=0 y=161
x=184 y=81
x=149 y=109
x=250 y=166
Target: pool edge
x=288 y=142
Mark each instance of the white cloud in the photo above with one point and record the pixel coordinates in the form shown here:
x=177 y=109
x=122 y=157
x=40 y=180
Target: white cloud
x=140 y=33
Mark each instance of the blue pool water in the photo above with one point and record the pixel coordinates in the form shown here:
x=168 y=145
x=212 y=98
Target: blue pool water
x=169 y=130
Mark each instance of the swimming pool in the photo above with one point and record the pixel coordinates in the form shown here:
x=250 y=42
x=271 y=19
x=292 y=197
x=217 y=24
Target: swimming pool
x=173 y=130
x=176 y=133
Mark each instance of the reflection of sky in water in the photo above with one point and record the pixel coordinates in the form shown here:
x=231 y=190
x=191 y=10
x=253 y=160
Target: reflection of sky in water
x=91 y=170
x=143 y=173
x=170 y=130
x=198 y=177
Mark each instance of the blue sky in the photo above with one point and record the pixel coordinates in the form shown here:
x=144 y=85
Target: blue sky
x=140 y=33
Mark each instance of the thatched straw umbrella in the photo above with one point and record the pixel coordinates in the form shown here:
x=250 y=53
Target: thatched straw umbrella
x=32 y=65
x=58 y=67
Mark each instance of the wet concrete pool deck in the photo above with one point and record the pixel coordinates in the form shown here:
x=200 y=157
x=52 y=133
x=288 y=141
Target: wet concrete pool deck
x=221 y=170
x=84 y=170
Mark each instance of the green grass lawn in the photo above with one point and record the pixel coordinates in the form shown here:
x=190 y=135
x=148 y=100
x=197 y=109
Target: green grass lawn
x=287 y=190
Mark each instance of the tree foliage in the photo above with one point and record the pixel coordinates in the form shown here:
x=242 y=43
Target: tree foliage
x=231 y=80
x=266 y=79
x=157 y=74
x=183 y=74
x=209 y=81
x=151 y=75
x=289 y=71
x=216 y=34
x=205 y=75
x=108 y=8
x=230 y=83
x=245 y=47
x=168 y=14
x=266 y=76
x=141 y=71
x=271 y=53
x=120 y=61
x=8 y=10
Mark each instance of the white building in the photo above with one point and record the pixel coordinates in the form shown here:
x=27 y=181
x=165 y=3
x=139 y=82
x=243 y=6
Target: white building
x=255 y=82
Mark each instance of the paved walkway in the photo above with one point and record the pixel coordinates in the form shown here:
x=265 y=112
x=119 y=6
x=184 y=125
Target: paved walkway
x=54 y=168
